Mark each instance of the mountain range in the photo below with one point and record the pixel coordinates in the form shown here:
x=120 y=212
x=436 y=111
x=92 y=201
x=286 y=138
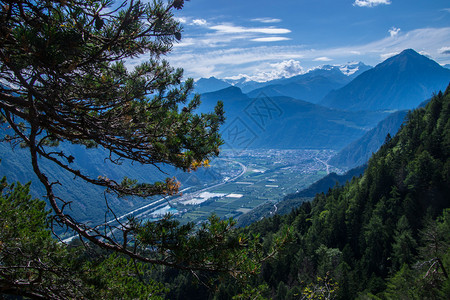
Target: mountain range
x=400 y=82
x=314 y=85
x=311 y=86
x=277 y=114
x=278 y=121
x=286 y=123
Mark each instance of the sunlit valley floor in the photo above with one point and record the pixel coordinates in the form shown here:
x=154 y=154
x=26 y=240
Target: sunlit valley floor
x=244 y=180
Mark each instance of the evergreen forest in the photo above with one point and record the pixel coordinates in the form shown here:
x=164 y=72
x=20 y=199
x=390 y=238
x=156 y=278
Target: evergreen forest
x=384 y=235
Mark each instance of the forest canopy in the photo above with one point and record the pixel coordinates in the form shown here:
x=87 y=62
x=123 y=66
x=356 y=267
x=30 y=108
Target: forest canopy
x=384 y=235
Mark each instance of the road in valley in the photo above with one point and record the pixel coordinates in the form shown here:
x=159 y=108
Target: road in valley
x=162 y=202
x=325 y=163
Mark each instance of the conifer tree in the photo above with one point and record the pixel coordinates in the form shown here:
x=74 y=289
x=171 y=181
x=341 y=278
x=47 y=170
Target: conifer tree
x=64 y=78
x=36 y=266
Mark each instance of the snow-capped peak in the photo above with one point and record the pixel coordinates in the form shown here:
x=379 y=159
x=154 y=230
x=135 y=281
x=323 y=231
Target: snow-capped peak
x=348 y=69
x=351 y=68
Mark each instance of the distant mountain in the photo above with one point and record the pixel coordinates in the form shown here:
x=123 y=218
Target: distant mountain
x=400 y=82
x=354 y=69
x=447 y=66
x=350 y=70
x=311 y=87
x=286 y=123
x=245 y=84
x=359 y=152
x=231 y=96
x=206 y=85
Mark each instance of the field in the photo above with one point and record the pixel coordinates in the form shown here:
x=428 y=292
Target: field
x=245 y=180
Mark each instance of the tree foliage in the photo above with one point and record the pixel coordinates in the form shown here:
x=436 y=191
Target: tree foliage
x=33 y=264
x=28 y=254
x=64 y=79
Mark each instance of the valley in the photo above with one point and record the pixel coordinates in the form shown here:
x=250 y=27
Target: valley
x=250 y=171
x=197 y=149
x=241 y=182
x=236 y=184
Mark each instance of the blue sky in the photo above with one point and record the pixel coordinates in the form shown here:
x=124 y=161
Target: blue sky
x=264 y=39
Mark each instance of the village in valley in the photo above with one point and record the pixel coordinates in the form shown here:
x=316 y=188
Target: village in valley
x=243 y=180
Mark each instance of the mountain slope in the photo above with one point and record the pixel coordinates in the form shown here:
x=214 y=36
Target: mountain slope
x=359 y=152
x=380 y=236
x=87 y=200
x=311 y=87
x=400 y=82
x=291 y=201
x=206 y=85
x=284 y=122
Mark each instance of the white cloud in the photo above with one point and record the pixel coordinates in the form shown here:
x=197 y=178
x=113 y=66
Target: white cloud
x=181 y=20
x=271 y=39
x=184 y=42
x=224 y=62
x=235 y=56
x=214 y=40
x=199 y=22
x=227 y=34
x=370 y=3
x=190 y=21
x=198 y=60
x=322 y=58
x=266 y=20
x=228 y=28
x=286 y=69
x=394 y=31
x=444 y=50
x=425 y=39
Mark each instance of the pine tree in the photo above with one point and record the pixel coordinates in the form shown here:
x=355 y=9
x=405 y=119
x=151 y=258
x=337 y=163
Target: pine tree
x=65 y=80
x=36 y=266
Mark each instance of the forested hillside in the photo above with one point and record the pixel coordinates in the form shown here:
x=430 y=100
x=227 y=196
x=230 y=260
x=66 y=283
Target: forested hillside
x=296 y=199
x=384 y=235
x=358 y=152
